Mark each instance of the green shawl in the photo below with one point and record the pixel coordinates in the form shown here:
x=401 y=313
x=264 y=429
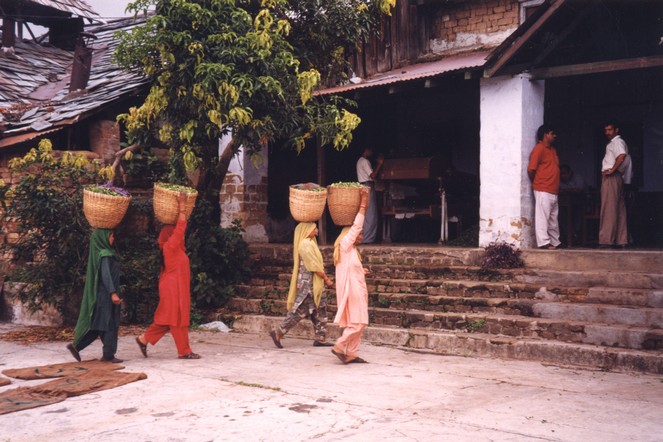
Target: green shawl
x=307 y=249
x=100 y=247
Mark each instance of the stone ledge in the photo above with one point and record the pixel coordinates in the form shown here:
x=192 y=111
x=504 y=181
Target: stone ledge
x=480 y=345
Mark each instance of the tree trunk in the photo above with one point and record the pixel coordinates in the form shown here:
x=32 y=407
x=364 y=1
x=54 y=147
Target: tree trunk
x=211 y=179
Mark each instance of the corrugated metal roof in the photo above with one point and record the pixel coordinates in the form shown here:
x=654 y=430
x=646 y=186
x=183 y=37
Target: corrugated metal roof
x=34 y=83
x=417 y=71
x=74 y=7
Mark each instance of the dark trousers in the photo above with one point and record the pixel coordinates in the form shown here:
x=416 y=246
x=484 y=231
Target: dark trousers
x=108 y=338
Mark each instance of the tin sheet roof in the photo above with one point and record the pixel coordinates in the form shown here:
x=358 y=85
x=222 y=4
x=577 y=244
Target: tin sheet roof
x=34 y=83
x=417 y=71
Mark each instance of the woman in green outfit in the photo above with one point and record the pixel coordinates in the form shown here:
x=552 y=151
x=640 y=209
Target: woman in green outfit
x=100 y=308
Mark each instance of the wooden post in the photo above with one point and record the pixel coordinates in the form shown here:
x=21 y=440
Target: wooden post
x=320 y=157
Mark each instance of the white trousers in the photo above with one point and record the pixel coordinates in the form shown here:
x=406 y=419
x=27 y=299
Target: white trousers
x=546 y=222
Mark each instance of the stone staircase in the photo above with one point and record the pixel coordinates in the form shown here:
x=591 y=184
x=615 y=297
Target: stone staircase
x=601 y=309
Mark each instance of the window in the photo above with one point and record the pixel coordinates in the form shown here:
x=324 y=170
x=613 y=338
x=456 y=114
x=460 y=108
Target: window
x=527 y=8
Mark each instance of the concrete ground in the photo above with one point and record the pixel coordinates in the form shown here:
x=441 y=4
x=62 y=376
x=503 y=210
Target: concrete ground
x=244 y=389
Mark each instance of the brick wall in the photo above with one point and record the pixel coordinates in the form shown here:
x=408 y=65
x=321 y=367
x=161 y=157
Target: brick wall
x=105 y=139
x=474 y=24
x=246 y=202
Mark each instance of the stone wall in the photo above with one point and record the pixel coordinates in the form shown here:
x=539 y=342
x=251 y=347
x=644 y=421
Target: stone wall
x=471 y=25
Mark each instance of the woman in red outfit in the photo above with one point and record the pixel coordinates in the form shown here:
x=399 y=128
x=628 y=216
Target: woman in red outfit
x=174 y=290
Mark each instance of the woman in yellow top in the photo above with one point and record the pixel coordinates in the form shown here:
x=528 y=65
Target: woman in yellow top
x=306 y=297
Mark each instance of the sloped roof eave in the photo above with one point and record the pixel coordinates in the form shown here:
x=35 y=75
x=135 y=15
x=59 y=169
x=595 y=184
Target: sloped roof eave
x=455 y=63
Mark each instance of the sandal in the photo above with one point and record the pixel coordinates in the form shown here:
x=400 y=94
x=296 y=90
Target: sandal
x=357 y=360
x=143 y=347
x=189 y=356
x=276 y=337
x=339 y=355
x=74 y=352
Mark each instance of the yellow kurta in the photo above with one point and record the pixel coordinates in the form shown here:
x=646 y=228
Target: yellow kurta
x=307 y=250
x=351 y=291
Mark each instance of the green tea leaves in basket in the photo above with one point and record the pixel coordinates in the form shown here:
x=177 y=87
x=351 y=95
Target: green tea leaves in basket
x=107 y=189
x=176 y=187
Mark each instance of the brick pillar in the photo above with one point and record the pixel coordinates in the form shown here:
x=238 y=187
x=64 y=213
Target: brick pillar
x=244 y=197
x=105 y=139
x=511 y=112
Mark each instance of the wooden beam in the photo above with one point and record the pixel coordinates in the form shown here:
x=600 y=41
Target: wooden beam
x=597 y=67
x=322 y=177
x=589 y=6
x=519 y=42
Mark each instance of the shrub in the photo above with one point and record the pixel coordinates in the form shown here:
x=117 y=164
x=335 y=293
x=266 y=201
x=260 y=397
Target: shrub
x=50 y=254
x=218 y=256
x=45 y=210
x=501 y=256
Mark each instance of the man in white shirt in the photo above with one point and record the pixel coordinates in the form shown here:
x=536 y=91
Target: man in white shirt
x=616 y=169
x=366 y=176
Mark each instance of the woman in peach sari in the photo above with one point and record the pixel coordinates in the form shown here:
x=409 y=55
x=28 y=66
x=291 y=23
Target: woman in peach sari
x=351 y=291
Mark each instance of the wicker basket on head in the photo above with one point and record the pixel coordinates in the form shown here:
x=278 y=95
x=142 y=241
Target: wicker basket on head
x=343 y=204
x=165 y=205
x=104 y=211
x=307 y=206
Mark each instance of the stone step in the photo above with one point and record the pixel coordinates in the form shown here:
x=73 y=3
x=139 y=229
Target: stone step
x=592 y=278
x=451 y=304
x=496 y=317
x=533 y=276
x=645 y=261
x=600 y=313
x=449 y=288
x=625 y=296
x=479 y=345
x=624 y=336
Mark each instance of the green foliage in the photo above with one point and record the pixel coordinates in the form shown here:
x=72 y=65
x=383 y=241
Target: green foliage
x=475 y=326
x=245 y=67
x=140 y=260
x=45 y=209
x=50 y=254
x=324 y=31
x=501 y=256
x=144 y=165
x=218 y=257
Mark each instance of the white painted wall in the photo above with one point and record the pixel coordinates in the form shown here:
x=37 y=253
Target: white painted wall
x=465 y=41
x=511 y=111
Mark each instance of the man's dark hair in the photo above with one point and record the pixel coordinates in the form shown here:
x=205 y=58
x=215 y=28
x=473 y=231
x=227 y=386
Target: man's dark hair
x=543 y=129
x=614 y=123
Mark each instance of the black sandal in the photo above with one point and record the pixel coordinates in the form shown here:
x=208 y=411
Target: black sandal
x=189 y=356
x=143 y=347
x=340 y=355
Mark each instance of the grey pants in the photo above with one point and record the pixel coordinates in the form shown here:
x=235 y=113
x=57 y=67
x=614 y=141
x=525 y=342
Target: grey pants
x=304 y=307
x=370 y=228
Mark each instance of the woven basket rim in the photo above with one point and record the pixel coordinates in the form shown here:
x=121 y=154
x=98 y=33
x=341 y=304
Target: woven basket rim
x=104 y=195
x=306 y=205
x=104 y=211
x=164 y=189
x=164 y=204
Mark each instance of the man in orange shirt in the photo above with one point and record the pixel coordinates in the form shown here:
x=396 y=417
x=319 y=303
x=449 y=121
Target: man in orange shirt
x=543 y=170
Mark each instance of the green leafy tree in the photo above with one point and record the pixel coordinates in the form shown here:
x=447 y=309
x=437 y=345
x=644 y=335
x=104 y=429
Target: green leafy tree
x=48 y=256
x=44 y=209
x=240 y=67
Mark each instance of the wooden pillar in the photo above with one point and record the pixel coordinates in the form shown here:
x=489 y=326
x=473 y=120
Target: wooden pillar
x=320 y=157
